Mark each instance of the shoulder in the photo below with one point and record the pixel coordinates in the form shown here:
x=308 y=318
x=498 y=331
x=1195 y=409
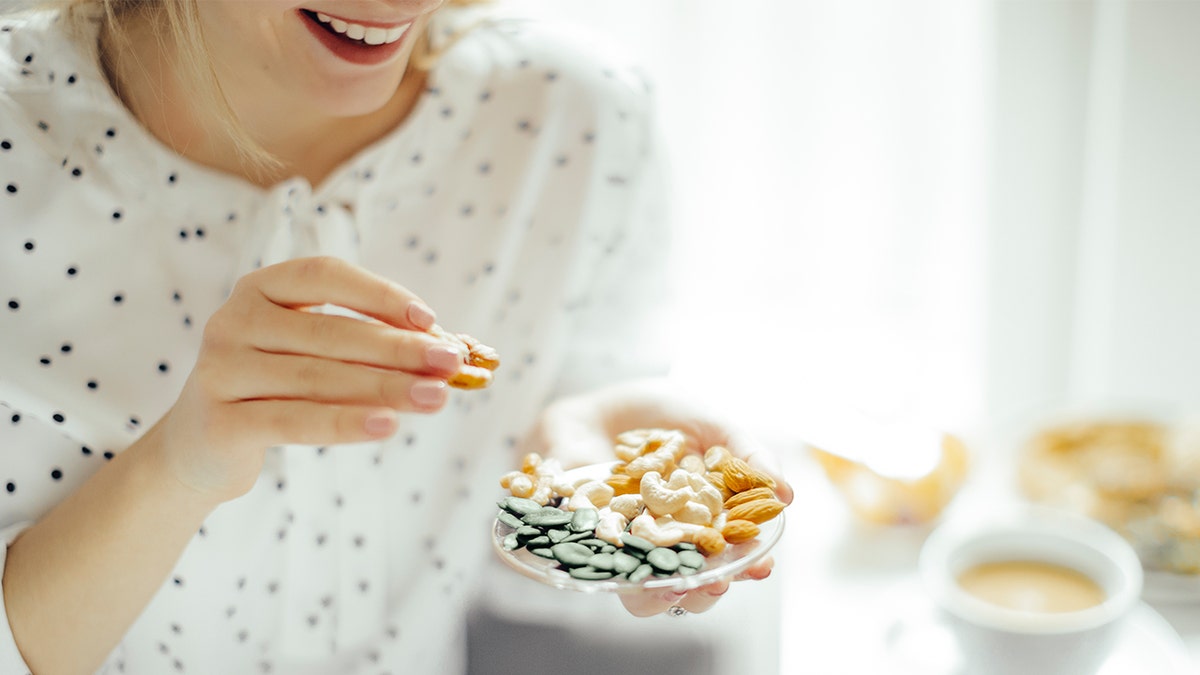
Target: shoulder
x=31 y=44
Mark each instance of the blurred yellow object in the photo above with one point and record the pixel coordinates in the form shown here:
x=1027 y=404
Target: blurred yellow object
x=894 y=501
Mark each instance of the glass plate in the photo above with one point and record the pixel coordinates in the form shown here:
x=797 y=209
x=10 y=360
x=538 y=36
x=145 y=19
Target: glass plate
x=733 y=560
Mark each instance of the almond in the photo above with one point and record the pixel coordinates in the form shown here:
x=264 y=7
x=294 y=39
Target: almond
x=708 y=541
x=749 y=496
x=739 y=531
x=739 y=476
x=757 y=511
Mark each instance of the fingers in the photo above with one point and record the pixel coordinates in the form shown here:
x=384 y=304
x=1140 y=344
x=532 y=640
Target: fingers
x=309 y=423
x=650 y=603
x=702 y=599
x=256 y=375
x=307 y=282
x=285 y=331
x=763 y=460
x=758 y=571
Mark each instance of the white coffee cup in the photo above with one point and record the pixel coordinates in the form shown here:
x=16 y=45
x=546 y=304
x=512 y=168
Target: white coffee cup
x=996 y=640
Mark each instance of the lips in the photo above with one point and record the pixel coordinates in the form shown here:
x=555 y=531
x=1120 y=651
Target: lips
x=359 y=43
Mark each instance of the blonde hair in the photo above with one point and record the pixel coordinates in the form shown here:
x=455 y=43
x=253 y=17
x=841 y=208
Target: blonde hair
x=179 y=21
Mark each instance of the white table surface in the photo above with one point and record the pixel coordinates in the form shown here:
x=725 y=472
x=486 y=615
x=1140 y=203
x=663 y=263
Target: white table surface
x=845 y=584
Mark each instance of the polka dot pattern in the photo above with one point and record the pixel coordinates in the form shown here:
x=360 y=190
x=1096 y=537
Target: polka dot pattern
x=515 y=201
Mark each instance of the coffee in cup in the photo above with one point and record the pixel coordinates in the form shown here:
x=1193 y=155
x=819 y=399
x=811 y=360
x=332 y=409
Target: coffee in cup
x=1031 y=586
x=1034 y=592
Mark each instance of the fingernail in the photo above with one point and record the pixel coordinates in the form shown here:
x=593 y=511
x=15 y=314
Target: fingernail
x=428 y=393
x=381 y=423
x=421 y=316
x=443 y=357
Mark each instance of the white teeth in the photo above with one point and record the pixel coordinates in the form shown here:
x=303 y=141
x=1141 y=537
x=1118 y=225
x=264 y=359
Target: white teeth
x=395 y=34
x=372 y=35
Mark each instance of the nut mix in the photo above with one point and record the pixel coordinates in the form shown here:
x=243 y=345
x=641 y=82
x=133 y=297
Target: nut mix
x=662 y=511
x=479 y=360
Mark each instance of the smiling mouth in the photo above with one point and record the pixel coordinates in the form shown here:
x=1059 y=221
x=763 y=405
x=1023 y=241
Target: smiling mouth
x=357 y=33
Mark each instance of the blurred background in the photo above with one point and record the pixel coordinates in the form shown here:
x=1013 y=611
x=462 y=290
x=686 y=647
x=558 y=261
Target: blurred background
x=963 y=215
x=960 y=210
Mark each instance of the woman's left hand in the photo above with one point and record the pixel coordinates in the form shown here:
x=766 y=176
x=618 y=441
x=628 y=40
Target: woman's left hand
x=580 y=430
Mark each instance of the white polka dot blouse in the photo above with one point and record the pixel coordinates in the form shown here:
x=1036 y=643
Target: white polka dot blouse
x=520 y=200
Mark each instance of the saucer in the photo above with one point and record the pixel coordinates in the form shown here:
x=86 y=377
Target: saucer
x=919 y=644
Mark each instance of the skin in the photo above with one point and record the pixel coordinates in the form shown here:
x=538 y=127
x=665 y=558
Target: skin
x=268 y=371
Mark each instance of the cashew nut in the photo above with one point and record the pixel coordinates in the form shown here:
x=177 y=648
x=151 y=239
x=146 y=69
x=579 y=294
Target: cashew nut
x=661 y=500
x=593 y=494
x=611 y=526
x=692 y=463
x=715 y=457
x=531 y=462
x=543 y=490
x=630 y=505
x=707 y=494
x=694 y=512
x=678 y=479
x=638 y=442
x=521 y=485
x=690 y=530
x=661 y=461
x=647 y=528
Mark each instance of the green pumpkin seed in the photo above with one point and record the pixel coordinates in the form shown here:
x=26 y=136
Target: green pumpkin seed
x=538 y=542
x=547 y=516
x=542 y=553
x=625 y=563
x=509 y=519
x=525 y=533
x=571 y=554
x=589 y=573
x=510 y=541
x=519 y=505
x=578 y=536
x=602 y=561
x=594 y=543
x=609 y=548
x=687 y=571
x=685 y=546
x=638 y=575
x=663 y=559
x=636 y=542
x=691 y=559
x=584 y=520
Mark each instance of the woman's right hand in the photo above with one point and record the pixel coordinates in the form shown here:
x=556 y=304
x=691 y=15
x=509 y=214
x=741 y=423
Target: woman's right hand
x=270 y=372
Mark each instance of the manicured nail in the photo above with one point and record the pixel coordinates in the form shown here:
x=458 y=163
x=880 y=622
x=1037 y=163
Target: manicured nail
x=444 y=358
x=421 y=316
x=381 y=423
x=428 y=393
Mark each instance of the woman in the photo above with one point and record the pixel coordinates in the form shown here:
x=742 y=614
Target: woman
x=204 y=475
